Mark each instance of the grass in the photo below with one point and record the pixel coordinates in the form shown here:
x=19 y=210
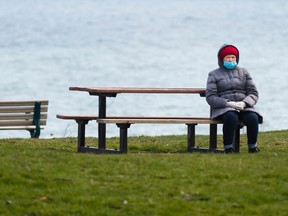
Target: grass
x=156 y=177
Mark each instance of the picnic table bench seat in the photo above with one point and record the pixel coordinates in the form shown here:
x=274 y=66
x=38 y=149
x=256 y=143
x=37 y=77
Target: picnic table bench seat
x=24 y=115
x=124 y=122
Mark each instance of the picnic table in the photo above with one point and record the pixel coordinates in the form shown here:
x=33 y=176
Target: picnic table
x=124 y=122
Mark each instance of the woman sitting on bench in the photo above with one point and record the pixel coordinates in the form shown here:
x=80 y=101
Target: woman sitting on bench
x=232 y=94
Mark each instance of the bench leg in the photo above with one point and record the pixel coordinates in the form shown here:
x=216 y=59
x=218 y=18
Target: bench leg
x=123 y=137
x=236 y=143
x=213 y=136
x=191 y=137
x=81 y=133
x=101 y=136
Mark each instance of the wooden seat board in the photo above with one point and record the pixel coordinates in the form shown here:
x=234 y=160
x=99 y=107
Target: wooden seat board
x=20 y=116
x=23 y=103
x=159 y=121
x=19 y=128
x=20 y=123
x=21 y=109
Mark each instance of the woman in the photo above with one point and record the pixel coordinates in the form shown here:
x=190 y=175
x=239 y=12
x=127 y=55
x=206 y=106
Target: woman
x=232 y=95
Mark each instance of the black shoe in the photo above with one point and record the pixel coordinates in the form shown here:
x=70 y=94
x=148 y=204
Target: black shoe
x=254 y=150
x=229 y=151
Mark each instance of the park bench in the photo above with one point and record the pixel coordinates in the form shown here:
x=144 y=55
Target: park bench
x=24 y=115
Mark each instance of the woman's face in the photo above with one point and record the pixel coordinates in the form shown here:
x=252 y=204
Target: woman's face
x=230 y=58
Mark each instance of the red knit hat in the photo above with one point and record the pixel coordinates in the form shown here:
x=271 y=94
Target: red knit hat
x=228 y=50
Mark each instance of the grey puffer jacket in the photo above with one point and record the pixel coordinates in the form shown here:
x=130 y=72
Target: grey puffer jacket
x=225 y=85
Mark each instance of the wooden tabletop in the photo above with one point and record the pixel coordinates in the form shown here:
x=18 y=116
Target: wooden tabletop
x=117 y=90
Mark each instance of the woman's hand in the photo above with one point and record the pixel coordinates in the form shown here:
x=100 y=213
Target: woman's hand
x=237 y=105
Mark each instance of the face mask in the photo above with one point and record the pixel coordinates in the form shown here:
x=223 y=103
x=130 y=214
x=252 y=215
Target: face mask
x=230 y=65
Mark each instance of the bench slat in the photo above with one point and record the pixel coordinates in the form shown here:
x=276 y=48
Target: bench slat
x=23 y=103
x=19 y=128
x=20 y=109
x=155 y=117
x=159 y=121
x=142 y=119
x=20 y=116
x=93 y=117
x=20 y=123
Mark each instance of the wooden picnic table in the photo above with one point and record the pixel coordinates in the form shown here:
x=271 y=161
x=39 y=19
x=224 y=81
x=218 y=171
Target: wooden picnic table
x=104 y=92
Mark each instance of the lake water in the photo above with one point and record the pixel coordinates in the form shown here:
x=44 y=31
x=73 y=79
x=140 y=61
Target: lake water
x=47 y=46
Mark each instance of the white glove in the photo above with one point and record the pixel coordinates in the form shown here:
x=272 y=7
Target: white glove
x=237 y=105
x=241 y=105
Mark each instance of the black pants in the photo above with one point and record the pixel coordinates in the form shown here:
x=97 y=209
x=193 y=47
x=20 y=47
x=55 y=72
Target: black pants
x=232 y=118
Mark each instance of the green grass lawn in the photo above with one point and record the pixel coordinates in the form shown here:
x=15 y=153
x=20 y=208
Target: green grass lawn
x=156 y=177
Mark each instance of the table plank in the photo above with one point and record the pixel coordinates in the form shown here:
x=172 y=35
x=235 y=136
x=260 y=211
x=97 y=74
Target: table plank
x=118 y=90
x=159 y=121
